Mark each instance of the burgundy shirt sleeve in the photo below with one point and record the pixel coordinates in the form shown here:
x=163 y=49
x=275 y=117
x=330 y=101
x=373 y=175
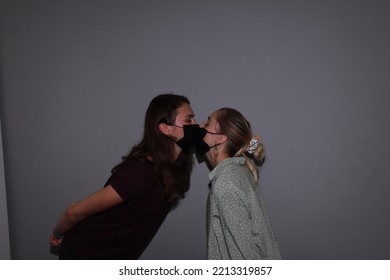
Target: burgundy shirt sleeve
x=131 y=179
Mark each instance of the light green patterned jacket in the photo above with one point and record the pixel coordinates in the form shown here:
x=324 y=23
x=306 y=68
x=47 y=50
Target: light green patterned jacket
x=238 y=226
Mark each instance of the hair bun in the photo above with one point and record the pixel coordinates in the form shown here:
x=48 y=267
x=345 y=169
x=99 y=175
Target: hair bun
x=259 y=154
x=255 y=150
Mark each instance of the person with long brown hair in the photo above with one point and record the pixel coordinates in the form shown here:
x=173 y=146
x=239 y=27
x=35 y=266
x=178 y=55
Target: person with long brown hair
x=238 y=226
x=119 y=220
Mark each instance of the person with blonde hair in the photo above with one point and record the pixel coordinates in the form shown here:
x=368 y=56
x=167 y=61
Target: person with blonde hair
x=238 y=226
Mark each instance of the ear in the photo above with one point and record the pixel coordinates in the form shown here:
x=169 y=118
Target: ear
x=221 y=139
x=164 y=128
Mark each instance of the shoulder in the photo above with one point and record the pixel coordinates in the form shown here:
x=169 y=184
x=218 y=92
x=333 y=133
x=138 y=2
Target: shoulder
x=228 y=174
x=134 y=166
x=231 y=169
x=232 y=176
x=133 y=177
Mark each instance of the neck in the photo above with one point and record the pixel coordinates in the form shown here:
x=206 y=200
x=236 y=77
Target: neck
x=214 y=160
x=176 y=152
x=221 y=157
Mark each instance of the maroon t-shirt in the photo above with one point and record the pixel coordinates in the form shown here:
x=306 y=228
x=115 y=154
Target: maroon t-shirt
x=124 y=231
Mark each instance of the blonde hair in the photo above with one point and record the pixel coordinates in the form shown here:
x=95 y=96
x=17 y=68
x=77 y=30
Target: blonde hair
x=239 y=134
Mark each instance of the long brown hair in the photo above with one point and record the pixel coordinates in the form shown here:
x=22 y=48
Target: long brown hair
x=173 y=177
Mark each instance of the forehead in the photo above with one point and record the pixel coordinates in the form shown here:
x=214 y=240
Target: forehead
x=211 y=120
x=185 y=111
x=213 y=117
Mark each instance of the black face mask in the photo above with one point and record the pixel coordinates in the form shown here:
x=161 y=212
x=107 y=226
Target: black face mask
x=201 y=146
x=193 y=137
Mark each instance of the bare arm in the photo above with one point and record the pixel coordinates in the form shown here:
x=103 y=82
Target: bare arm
x=99 y=201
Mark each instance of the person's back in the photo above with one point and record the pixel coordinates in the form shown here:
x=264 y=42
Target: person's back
x=124 y=231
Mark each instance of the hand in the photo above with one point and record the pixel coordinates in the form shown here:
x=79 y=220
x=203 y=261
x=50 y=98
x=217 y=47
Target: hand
x=55 y=242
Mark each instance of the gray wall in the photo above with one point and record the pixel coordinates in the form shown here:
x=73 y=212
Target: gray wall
x=312 y=76
x=4 y=234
